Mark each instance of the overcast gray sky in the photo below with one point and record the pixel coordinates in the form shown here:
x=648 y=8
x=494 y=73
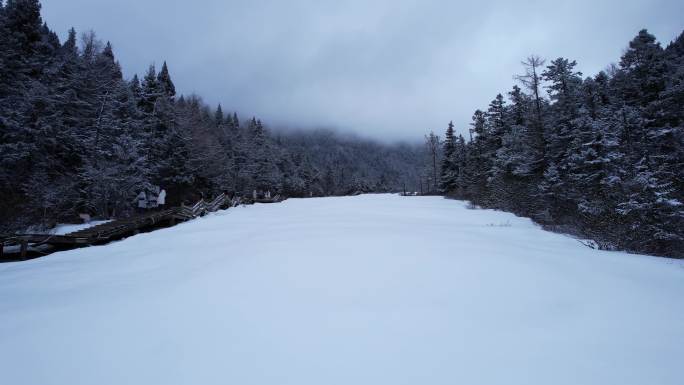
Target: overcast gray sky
x=390 y=69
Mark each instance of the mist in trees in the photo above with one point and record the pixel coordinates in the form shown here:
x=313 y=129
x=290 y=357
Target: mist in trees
x=600 y=157
x=76 y=137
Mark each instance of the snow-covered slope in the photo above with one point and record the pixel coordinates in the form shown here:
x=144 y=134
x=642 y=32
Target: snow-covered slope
x=375 y=289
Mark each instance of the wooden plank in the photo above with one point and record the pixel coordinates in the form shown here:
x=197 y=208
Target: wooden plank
x=50 y=239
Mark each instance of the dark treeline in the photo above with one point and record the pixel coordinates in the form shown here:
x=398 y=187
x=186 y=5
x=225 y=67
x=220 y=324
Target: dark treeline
x=76 y=137
x=600 y=157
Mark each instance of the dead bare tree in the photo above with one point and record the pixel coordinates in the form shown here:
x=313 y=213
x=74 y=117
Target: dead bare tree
x=531 y=79
x=433 y=146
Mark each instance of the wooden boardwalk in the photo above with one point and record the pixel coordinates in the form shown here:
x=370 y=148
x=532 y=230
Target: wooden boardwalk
x=116 y=229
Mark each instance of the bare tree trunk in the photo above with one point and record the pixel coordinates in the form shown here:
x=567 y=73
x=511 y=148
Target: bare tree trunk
x=432 y=144
x=434 y=170
x=532 y=80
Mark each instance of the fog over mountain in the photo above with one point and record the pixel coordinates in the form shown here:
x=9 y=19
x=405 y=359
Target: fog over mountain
x=383 y=69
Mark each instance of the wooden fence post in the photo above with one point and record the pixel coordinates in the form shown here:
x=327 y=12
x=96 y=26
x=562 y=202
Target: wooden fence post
x=24 y=249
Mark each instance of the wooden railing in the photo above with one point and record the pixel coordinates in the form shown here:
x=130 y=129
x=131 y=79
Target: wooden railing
x=120 y=228
x=202 y=207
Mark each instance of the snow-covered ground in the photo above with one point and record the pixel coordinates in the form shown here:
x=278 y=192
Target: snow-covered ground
x=374 y=289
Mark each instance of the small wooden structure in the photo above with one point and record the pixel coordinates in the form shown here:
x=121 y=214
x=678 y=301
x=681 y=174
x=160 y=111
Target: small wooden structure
x=116 y=229
x=274 y=199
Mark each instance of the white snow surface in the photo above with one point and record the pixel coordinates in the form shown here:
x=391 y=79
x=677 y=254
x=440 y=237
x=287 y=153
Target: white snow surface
x=373 y=289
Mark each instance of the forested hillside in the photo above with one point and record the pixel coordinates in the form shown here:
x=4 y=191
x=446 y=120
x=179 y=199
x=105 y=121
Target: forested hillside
x=77 y=137
x=599 y=156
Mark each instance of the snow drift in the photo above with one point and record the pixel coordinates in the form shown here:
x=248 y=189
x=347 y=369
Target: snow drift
x=374 y=289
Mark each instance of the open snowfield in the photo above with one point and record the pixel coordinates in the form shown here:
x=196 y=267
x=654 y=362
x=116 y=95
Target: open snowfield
x=374 y=289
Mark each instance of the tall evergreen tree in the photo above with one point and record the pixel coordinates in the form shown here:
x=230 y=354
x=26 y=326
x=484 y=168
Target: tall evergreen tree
x=166 y=83
x=449 y=169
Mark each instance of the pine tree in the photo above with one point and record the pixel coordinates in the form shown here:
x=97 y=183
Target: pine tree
x=564 y=89
x=69 y=47
x=165 y=82
x=151 y=90
x=449 y=169
x=262 y=163
x=218 y=116
x=645 y=68
x=136 y=88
